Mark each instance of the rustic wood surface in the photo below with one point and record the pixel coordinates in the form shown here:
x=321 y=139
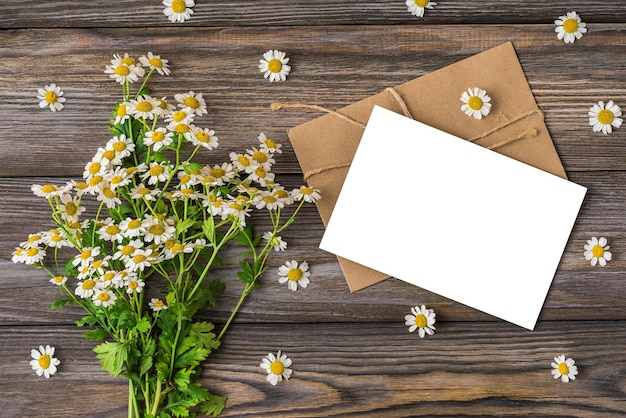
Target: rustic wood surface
x=352 y=353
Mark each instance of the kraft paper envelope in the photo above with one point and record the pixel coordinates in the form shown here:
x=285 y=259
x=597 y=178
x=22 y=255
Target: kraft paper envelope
x=465 y=222
x=326 y=145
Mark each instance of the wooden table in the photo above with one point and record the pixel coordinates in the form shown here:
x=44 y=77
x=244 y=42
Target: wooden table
x=352 y=354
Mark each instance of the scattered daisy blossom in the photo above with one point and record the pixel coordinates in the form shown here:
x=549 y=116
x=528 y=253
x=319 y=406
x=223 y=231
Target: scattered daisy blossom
x=605 y=118
x=596 y=250
x=157 y=304
x=275 y=241
x=51 y=96
x=565 y=369
x=43 y=363
x=155 y=62
x=277 y=367
x=417 y=7
x=422 y=320
x=294 y=274
x=274 y=65
x=308 y=194
x=178 y=10
x=476 y=102
x=570 y=27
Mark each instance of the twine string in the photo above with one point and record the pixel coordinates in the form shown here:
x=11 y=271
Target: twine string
x=528 y=133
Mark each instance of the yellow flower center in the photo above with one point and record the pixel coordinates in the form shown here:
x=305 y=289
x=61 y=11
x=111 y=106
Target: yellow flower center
x=243 y=160
x=89 y=284
x=182 y=128
x=94 y=168
x=156 y=170
x=143 y=191
x=570 y=25
x=122 y=70
x=134 y=224
x=563 y=369
x=81 y=185
x=217 y=172
x=113 y=230
x=156 y=229
x=236 y=206
x=33 y=238
x=179 y=6
x=281 y=194
x=32 y=252
x=119 y=146
x=51 y=97
x=127 y=250
x=129 y=61
x=261 y=172
x=162 y=104
x=421 y=321
x=176 y=248
x=139 y=258
x=191 y=102
x=259 y=157
x=277 y=367
x=475 y=103
x=108 y=193
x=70 y=208
x=294 y=274
x=157 y=136
x=274 y=65
x=44 y=361
x=97 y=264
x=121 y=110
x=203 y=137
x=605 y=117
x=269 y=199
x=56 y=238
x=178 y=116
x=269 y=143
x=158 y=304
x=108 y=154
x=306 y=190
x=597 y=251
x=421 y=3
x=95 y=180
x=116 y=180
x=104 y=296
x=49 y=188
x=58 y=279
x=108 y=276
x=85 y=254
x=144 y=106
x=155 y=62
x=133 y=285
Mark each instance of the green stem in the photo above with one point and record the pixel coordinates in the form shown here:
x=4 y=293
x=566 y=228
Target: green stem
x=157 y=398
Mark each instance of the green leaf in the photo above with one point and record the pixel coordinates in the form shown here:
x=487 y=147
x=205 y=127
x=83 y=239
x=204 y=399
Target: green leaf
x=201 y=331
x=208 y=227
x=245 y=277
x=244 y=236
x=184 y=225
x=214 y=405
x=192 y=357
x=182 y=378
x=87 y=320
x=189 y=167
x=96 y=334
x=57 y=304
x=143 y=325
x=112 y=356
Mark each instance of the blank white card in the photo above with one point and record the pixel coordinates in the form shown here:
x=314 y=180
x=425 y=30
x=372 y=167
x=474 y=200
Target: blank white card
x=453 y=218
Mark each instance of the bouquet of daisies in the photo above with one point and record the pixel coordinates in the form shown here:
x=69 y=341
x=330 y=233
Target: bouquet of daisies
x=160 y=220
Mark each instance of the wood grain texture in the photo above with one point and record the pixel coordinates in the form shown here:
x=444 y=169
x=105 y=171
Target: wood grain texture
x=361 y=369
x=146 y=13
x=352 y=353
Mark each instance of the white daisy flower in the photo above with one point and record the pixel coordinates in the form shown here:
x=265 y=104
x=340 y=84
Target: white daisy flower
x=277 y=367
x=34 y=255
x=49 y=190
x=204 y=137
x=294 y=274
x=192 y=101
x=570 y=27
x=121 y=115
x=158 y=138
x=19 y=255
x=43 y=362
x=140 y=260
x=178 y=10
x=51 y=96
x=132 y=228
x=475 y=102
x=58 y=280
x=86 y=256
x=134 y=285
x=126 y=251
x=422 y=320
x=157 y=304
x=417 y=7
x=275 y=241
x=86 y=288
x=33 y=240
x=274 y=65
x=565 y=369
x=268 y=144
x=155 y=62
x=122 y=146
x=110 y=231
x=282 y=195
x=156 y=173
x=596 y=250
x=143 y=192
x=306 y=193
x=121 y=72
x=104 y=298
x=605 y=118
x=144 y=107
x=71 y=208
x=157 y=231
x=267 y=200
x=55 y=239
x=108 y=196
x=221 y=174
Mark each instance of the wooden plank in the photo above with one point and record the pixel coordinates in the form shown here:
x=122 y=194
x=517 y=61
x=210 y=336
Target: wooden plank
x=143 y=13
x=332 y=66
x=579 y=291
x=486 y=369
